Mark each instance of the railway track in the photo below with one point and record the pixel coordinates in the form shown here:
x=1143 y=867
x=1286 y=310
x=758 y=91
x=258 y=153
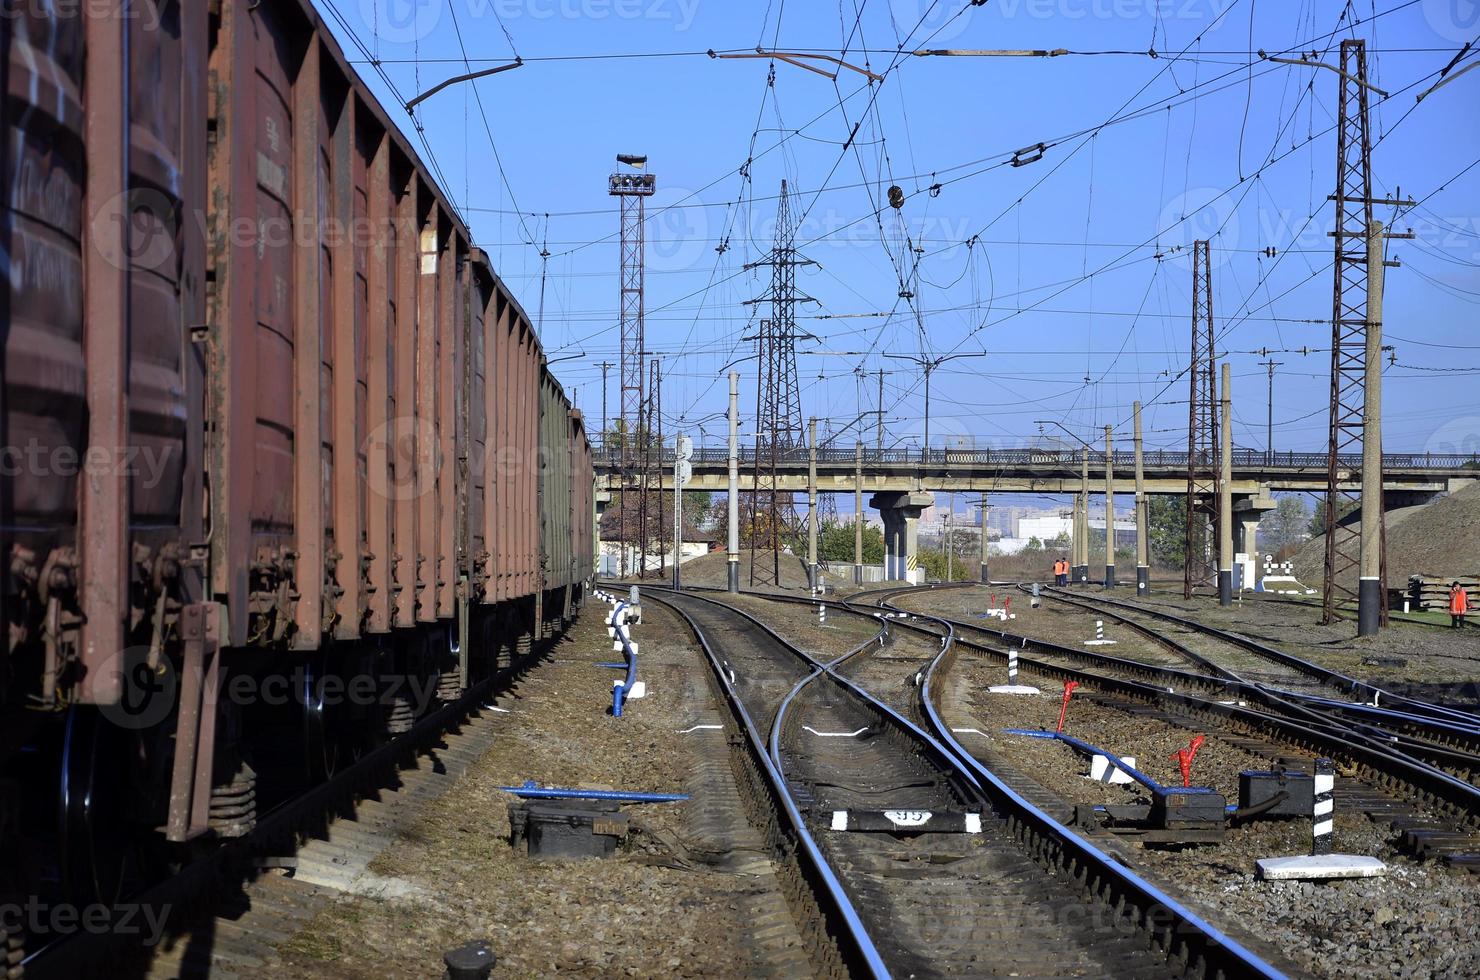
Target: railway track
x=1008 y=889
x=1445 y=737
x=1434 y=808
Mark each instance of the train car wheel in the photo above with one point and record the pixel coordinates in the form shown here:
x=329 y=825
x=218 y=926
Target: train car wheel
x=104 y=846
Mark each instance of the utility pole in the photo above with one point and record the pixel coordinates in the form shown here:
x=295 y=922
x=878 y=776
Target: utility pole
x=1271 y=364
x=858 y=512
x=605 y=367
x=683 y=451
x=1352 y=366
x=1370 y=596
x=652 y=474
x=1143 y=551
x=812 y=581
x=732 y=549
x=1225 y=495
x=1081 y=571
x=928 y=365
x=1202 y=430
x=986 y=578
x=950 y=538
x=879 y=425
x=1109 y=509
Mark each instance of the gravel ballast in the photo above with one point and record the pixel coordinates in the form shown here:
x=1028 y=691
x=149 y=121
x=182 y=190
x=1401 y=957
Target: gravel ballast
x=668 y=904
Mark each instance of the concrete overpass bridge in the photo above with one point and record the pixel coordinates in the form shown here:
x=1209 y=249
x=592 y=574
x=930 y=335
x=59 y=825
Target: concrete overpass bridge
x=901 y=481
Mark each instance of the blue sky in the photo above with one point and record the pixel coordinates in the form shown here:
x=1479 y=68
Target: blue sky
x=1073 y=267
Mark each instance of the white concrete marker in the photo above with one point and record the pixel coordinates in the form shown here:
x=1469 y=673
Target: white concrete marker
x=1101 y=770
x=1321 y=864
x=1099 y=640
x=1320 y=867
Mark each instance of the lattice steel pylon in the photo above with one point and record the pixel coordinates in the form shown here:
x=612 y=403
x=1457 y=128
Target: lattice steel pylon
x=634 y=188
x=778 y=398
x=1201 y=559
x=1349 y=323
x=652 y=471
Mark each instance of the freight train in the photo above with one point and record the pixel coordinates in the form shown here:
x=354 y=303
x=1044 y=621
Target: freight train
x=283 y=463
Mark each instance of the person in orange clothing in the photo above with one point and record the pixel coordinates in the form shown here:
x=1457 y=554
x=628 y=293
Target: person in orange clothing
x=1060 y=572
x=1459 y=604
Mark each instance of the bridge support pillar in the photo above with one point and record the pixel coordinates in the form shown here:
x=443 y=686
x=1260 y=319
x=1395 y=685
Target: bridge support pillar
x=603 y=499
x=901 y=515
x=1247 y=512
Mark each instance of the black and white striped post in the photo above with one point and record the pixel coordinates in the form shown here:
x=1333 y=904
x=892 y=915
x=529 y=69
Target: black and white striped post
x=1012 y=686
x=1323 y=814
x=821 y=614
x=1321 y=864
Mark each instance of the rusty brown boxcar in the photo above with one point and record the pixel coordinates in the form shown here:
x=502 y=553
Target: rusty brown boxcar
x=268 y=410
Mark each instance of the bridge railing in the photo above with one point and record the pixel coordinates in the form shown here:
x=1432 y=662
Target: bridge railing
x=834 y=458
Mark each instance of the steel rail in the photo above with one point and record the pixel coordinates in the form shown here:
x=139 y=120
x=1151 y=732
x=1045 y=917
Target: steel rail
x=1426 y=781
x=1332 y=678
x=1177 y=930
x=1408 y=714
x=862 y=956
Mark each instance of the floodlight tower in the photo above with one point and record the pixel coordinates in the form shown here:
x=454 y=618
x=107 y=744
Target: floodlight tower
x=634 y=186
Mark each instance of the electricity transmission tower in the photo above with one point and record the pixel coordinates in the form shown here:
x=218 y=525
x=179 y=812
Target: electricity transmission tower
x=634 y=188
x=1350 y=324
x=1200 y=558
x=778 y=398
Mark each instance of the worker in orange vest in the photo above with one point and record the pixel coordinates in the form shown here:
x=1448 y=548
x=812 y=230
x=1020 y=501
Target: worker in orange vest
x=1060 y=572
x=1459 y=604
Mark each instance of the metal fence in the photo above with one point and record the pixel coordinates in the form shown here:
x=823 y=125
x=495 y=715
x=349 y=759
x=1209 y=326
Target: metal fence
x=1055 y=459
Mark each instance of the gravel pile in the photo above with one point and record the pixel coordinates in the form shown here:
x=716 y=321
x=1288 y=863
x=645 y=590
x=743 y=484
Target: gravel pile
x=1439 y=538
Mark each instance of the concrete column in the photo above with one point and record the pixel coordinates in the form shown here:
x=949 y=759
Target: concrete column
x=1225 y=495
x=901 y=513
x=812 y=504
x=1109 y=510
x=986 y=578
x=1143 y=544
x=1247 y=512
x=858 y=513
x=732 y=549
x=1081 y=569
x=603 y=500
x=1369 y=587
